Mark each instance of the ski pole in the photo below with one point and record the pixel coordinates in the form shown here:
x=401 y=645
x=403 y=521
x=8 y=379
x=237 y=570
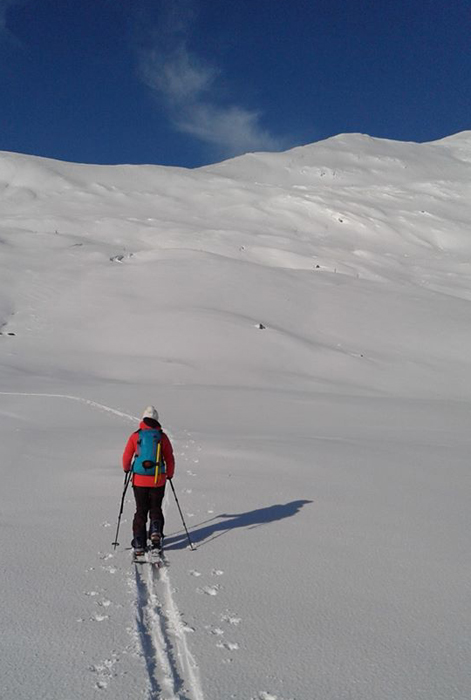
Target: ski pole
x=181 y=515
x=127 y=479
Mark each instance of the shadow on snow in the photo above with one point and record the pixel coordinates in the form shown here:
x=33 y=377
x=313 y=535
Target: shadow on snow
x=215 y=527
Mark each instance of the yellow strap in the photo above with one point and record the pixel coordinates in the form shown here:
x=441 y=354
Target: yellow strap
x=157 y=471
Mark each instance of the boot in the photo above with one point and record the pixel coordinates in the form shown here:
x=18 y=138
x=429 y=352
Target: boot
x=139 y=545
x=155 y=534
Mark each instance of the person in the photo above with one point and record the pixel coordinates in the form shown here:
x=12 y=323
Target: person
x=149 y=455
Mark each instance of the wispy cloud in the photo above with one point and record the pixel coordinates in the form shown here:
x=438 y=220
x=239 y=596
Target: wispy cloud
x=186 y=86
x=178 y=77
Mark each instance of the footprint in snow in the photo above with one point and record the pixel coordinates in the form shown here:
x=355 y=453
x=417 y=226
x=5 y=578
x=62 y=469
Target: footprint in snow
x=230 y=646
x=104 y=672
x=109 y=569
x=208 y=590
x=217 y=572
x=99 y=617
x=231 y=619
x=193 y=572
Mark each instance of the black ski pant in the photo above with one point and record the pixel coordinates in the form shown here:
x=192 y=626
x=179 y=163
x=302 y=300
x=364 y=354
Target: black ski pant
x=148 y=502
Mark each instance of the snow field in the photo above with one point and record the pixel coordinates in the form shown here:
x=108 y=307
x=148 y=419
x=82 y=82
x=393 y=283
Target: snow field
x=322 y=460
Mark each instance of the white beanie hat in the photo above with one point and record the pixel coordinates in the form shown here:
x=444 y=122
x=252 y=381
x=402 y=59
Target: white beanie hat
x=151 y=412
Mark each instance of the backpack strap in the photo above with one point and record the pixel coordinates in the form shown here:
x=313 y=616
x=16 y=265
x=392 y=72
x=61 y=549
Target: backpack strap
x=136 y=432
x=157 y=469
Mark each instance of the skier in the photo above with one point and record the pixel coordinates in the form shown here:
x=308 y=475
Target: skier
x=149 y=454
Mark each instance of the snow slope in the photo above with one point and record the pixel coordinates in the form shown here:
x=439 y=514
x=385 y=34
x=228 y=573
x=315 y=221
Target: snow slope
x=322 y=460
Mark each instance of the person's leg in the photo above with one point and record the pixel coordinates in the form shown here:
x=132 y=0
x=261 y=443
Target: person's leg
x=157 y=520
x=139 y=525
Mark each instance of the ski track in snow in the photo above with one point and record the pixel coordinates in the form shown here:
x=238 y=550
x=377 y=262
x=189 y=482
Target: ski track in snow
x=172 y=670
x=87 y=402
x=159 y=635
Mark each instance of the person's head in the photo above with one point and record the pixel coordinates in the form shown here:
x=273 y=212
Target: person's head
x=150 y=416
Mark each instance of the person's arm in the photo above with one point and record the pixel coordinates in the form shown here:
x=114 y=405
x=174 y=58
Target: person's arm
x=169 y=459
x=128 y=453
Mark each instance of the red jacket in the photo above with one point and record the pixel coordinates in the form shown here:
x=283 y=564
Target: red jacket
x=167 y=453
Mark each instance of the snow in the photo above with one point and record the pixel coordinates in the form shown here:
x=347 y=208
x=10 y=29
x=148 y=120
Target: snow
x=302 y=323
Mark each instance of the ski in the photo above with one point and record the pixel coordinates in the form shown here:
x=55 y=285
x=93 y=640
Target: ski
x=155 y=556
x=139 y=557
x=151 y=555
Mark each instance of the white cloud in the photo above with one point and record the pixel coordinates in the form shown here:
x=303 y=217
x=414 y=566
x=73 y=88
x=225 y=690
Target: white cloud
x=179 y=78
x=186 y=86
x=234 y=129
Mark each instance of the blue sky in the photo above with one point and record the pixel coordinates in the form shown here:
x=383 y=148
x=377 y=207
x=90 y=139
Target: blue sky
x=189 y=82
